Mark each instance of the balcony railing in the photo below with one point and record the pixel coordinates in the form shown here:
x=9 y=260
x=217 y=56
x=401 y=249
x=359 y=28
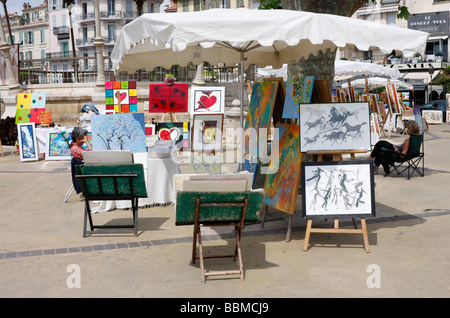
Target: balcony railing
x=389 y=2
x=59 y=68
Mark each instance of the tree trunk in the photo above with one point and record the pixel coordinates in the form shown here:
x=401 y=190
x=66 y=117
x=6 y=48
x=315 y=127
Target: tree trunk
x=321 y=65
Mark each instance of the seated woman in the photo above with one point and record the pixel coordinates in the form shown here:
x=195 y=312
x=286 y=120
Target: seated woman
x=79 y=137
x=379 y=156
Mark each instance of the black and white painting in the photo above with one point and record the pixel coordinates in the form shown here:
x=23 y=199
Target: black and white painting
x=338 y=189
x=27 y=142
x=334 y=126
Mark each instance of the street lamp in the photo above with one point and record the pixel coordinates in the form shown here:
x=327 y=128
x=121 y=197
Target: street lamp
x=69 y=5
x=431 y=72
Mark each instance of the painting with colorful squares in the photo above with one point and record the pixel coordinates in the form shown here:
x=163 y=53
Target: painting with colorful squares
x=121 y=94
x=29 y=107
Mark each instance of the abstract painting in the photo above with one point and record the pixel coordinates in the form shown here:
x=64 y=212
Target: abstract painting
x=334 y=126
x=119 y=132
x=298 y=91
x=338 y=189
x=29 y=107
x=207 y=100
x=282 y=180
x=57 y=148
x=168 y=99
x=259 y=115
x=121 y=96
x=179 y=131
x=207 y=132
x=27 y=142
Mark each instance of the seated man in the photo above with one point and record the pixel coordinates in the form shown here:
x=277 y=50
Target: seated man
x=79 y=137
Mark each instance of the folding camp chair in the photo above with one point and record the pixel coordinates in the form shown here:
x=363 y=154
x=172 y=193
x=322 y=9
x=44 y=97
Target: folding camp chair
x=410 y=161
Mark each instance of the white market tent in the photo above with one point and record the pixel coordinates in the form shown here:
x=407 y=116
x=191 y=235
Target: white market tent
x=342 y=69
x=262 y=37
x=378 y=82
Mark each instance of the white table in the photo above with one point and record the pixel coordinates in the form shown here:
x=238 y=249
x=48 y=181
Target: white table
x=160 y=187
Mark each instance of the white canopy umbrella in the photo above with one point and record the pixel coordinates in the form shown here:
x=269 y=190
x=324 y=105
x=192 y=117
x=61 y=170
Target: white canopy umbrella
x=353 y=68
x=378 y=82
x=266 y=37
x=342 y=68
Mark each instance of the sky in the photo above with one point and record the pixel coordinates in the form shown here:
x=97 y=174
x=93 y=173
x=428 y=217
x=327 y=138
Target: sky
x=16 y=5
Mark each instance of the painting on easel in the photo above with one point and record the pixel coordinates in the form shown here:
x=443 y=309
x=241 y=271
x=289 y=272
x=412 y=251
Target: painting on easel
x=30 y=106
x=207 y=100
x=338 y=189
x=334 y=126
x=282 y=180
x=298 y=91
x=168 y=99
x=121 y=96
x=259 y=115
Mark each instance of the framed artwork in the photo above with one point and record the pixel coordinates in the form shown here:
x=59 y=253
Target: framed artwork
x=335 y=189
x=57 y=148
x=448 y=116
x=259 y=115
x=334 y=126
x=168 y=99
x=180 y=132
x=433 y=116
x=150 y=129
x=282 y=180
x=207 y=132
x=119 y=132
x=392 y=99
x=27 y=142
x=29 y=107
x=298 y=91
x=207 y=100
x=121 y=96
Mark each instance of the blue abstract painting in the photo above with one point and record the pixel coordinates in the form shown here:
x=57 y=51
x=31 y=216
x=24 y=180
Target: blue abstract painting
x=298 y=91
x=119 y=132
x=27 y=142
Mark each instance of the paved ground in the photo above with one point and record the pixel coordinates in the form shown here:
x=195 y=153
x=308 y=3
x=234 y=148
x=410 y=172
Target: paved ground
x=43 y=253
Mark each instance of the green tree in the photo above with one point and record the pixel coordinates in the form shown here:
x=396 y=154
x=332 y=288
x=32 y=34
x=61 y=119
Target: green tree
x=321 y=65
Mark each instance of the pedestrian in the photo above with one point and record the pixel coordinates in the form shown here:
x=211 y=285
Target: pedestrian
x=381 y=157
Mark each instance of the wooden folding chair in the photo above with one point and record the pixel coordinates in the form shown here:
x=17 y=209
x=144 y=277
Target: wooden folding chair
x=210 y=209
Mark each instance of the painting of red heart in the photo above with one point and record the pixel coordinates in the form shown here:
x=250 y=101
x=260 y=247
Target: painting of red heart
x=179 y=131
x=207 y=100
x=168 y=99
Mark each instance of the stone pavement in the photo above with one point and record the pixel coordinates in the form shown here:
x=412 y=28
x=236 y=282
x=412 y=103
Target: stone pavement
x=42 y=248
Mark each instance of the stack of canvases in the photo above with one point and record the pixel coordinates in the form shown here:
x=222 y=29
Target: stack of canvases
x=328 y=188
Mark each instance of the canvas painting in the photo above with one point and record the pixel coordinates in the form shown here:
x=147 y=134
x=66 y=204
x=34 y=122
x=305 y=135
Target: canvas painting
x=282 y=180
x=121 y=96
x=27 y=142
x=433 y=116
x=338 y=189
x=168 y=99
x=57 y=148
x=207 y=132
x=119 y=132
x=180 y=132
x=29 y=107
x=334 y=126
x=448 y=116
x=207 y=100
x=150 y=129
x=298 y=91
x=259 y=115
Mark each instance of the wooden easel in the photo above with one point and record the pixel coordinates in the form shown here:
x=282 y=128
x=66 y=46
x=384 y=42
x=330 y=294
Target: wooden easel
x=336 y=229
x=173 y=118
